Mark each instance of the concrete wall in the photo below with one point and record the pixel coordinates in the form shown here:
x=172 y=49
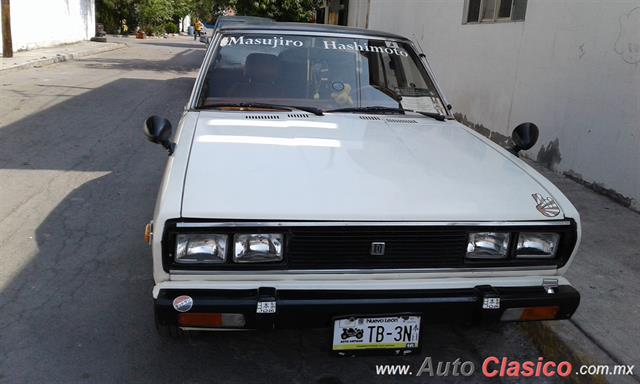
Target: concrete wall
x=572 y=67
x=42 y=23
x=358 y=15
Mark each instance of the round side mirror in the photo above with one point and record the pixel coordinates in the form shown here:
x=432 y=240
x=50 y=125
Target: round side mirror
x=524 y=137
x=158 y=130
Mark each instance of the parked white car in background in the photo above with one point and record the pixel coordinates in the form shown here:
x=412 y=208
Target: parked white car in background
x=317 y=178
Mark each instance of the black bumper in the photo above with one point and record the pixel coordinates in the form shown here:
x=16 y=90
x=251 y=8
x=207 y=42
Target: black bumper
x=316 y=309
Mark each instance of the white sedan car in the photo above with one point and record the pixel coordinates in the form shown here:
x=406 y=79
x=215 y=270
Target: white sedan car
x=317 y=178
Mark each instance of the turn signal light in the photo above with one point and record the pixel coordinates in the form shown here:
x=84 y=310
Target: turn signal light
x=147 y=233
x=530 y=313
x=211 y=320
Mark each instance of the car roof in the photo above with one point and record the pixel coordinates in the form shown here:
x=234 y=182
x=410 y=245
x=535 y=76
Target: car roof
x=245 y=18
x=313 y=28
x=224 y=21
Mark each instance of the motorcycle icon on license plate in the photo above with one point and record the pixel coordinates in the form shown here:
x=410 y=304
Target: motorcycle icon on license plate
x=352 y=332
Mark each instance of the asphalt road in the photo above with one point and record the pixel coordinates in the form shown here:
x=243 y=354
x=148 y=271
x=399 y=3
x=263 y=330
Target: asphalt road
x=77 y=184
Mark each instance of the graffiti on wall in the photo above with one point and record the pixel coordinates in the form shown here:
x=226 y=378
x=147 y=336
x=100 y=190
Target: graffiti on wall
x=628 y=43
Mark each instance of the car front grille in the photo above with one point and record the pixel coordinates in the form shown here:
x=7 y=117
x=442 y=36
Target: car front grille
x=351 y=247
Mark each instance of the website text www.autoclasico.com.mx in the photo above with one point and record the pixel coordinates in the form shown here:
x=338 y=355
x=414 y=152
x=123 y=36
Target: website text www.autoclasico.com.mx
x=494 y=366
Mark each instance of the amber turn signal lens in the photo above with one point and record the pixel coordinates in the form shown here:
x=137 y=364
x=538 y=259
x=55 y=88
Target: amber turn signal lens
x=539 y=313
x=147 y=233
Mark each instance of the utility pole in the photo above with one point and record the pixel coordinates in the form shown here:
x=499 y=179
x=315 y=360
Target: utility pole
x=7 y=44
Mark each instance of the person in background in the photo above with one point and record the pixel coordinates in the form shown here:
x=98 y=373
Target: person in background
x=197 y=29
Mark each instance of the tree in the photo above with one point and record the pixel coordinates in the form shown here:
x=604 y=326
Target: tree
x=280 y=10
x=154 y=14
x=151 y=15
x=111 y=13
x=181 y=8
x=209 y=10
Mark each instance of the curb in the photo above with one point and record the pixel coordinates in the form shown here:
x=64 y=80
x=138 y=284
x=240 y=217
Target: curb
x=562 y=340
x=61 y=57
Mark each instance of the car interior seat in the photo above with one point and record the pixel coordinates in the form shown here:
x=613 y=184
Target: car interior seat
x=260 y=75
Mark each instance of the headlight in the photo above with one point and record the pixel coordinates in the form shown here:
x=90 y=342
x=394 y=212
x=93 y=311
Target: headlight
x=257 y=248
x=537 y=245
x=201 y=248
x=488 y=245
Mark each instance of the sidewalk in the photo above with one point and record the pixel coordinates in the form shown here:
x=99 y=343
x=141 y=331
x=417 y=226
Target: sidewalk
x=606 y=272
x=44 y=56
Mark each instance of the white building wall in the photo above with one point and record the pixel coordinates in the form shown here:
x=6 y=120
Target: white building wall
x=42 y=23
x=358 y=15
x=572 y=67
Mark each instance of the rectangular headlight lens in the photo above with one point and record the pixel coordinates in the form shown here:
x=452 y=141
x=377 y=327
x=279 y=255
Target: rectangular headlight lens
x=542 y=245
x=488 y=245
x=257 y=248
x=201 y=248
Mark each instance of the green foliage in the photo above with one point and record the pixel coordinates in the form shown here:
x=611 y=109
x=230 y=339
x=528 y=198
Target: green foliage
x=111 y=13
x=154 y=14
x=209 y=10
x=181 y=8
x=171 y=27
x=280 y=10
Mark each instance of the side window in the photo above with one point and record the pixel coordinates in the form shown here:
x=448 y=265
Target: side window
x=393 y=67
x=384 y=70
x=384 y=73
x=482 y=11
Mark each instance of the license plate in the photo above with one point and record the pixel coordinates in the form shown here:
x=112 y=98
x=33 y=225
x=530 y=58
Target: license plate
x=385 y=332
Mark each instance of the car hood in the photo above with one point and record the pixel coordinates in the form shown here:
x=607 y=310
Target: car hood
x=348 y=167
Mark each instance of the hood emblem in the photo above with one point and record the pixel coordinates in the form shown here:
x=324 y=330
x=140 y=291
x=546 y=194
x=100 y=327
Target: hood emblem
x=377 y=248
x=546 y=205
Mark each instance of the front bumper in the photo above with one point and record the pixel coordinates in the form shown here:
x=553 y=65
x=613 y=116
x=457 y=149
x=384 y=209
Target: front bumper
x=317 y=308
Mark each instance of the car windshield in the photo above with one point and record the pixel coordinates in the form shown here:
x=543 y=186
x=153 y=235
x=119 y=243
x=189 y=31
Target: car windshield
x=326 y=73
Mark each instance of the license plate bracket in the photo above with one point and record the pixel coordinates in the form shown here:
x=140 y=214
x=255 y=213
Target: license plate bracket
x=376 y=334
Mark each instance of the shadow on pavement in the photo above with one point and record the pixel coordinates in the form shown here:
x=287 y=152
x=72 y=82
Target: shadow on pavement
x=180 y=64
x=193 y=44
x=181 y=42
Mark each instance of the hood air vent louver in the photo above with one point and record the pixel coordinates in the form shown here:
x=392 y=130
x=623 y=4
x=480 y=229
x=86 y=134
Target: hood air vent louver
x=298 y=115
x=262 y=117
x=401 y=121
x=369 y=118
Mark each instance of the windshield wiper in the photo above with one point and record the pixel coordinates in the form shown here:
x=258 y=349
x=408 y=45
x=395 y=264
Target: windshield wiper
x=315 y=111
x=375 y=108
x=434 y=115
